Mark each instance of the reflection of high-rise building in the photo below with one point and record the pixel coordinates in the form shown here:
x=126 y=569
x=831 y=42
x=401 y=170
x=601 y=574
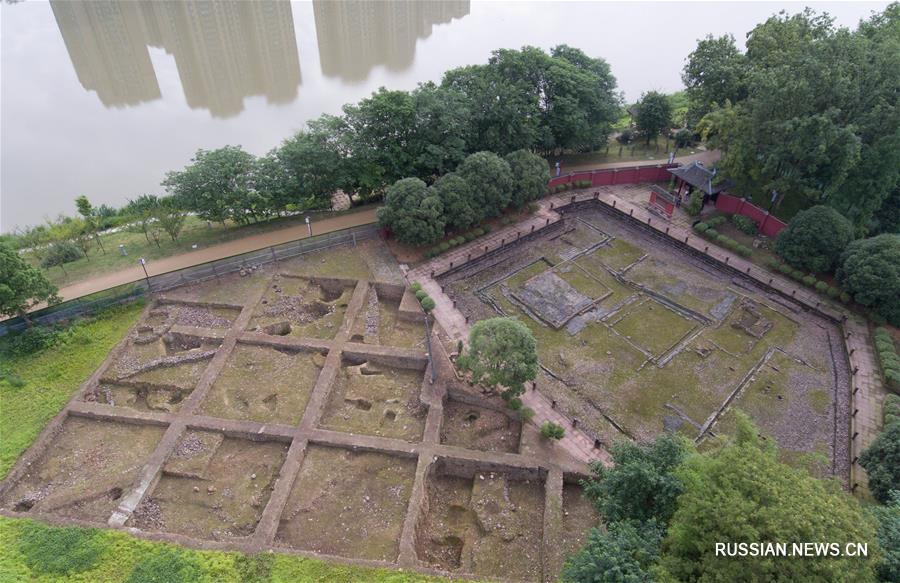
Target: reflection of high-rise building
x=224 y=50
x=356 y=35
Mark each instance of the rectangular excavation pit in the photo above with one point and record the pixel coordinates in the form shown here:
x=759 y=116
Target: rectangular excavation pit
x=212 y=486
x=139 y=396
x=239 y=287
x=481 y=428
x=264 y=384
x=87 y=467
x=301 y=306
x=379 y=321
x=213 y=315
x=348 y=503
x=482 y=522
x=652 y=326
x=374 y=396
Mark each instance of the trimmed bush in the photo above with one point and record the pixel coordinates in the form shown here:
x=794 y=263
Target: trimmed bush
x=891 y=409
x=443 y=247
x=808 y=280
x=822 y=287
x=415 y=286
x=745 y=251
x=427 y=304
x=715 y=221
x=470 y=236
x=745 y=224
x=785 y=269
x=833 y=292
x=845 y=298
x=773 y=264
x=479 y=232
x=551 y=430
x=814 y=239
x=797 y=275
x=711 y=233
x=421 y=294
x=701 y=227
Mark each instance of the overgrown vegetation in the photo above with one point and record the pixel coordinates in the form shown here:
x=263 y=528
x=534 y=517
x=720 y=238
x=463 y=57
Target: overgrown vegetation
x=502 y=353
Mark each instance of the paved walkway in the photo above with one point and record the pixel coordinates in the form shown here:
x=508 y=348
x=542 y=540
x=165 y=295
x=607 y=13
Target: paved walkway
x=213 y=252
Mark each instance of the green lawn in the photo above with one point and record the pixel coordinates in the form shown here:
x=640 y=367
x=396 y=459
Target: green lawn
x=31 y=551
x=638 y=151
x=196 y=232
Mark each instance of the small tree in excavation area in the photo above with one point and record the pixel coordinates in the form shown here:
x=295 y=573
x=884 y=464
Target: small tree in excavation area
x=551 y=430
x=502 y=352
x=22 y=286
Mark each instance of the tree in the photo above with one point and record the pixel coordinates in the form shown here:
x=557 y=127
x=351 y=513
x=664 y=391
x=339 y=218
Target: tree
x=870 y=272
x=530 y=173
x=59 y=253
x=641 y=485
x=217 y=185
x=654 y=114
x=441 y=131
x=502 y=352
x=412 y=213
x=888 y=536
x=814 y=239
x=169 y=217
x=315 y=163
x=22 y=286
x=456 y=197
x=882 y=463
x=75 y=230
x=140 y=212
x=716 y=73
x=551 y=430
x=623 y=552
x=743 y=494
x=490 y=181
x=91 y=220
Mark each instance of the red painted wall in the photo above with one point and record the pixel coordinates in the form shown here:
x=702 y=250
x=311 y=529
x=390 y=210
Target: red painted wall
x=768 y=225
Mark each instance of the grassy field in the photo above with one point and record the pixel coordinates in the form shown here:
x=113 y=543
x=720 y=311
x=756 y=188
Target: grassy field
x=32 y=551
x=52 y=376
x=196 y=232
x=637 y=151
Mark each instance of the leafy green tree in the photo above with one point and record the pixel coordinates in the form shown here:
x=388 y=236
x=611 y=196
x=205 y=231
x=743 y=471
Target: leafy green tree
x=623 y=552
x=888 y=535
x=530 y=175
x=60 y=253
x=551 y=430
x=490 y=182
x=441 y=131
x=91 y=220
x=502 y=352
x=22 y=286
x=456 y=197
x=654 y=114
x=814 y=239
x=641 y=485
x=743 y=494
x=315 y=164
x=140 y=213
x=716 y=73
x=217 y=185
x=412 y=212
x=170 y=217
x=882 y=463
x=870 y=272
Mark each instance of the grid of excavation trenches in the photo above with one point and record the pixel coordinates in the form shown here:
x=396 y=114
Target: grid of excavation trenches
x=301 y=416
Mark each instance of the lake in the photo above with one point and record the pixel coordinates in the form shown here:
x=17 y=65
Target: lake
x=102 y=98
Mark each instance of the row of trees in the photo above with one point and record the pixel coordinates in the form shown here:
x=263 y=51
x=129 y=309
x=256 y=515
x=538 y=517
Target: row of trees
x=821 y=240
x=666 y=507
x=482 y=187
x=809 y=111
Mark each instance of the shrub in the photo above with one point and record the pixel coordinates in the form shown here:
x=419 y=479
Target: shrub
x=532 y=208
x=845 y=298
x=891 y=409
x=721 y=239
x=479 y=232
x=745 y=224
x=486 y=229
x=460 y=240
x=34 y=339
x=415 y=286
x=551 y=430
x=833 y=292
x=785 y=269
x=870 y=272
x=882 y=463
x=506 y=220
x=526 y=414
x=822 y=287
x=711 y=233
x=814 y=239
x=715 y=221
x=745 y=251
x=515 y=404
x=60 y=253
x=583 y=183
x=427 y=304
x=773 y=264
x=701 y=227
x=797 y=275
x=421 y=294
x=694 y=204
x=169 y=565
x=470 y=236
x=808 y=280
x=443 y=247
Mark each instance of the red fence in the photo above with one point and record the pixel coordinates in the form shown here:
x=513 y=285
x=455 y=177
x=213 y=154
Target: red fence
x=607 y=177
x=768 y=225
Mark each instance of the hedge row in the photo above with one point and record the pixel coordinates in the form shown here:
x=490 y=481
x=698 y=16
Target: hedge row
x=577 y=184
x=425 y=300
x=460 y=240
x=891 y=409
x=706 y=230
x=887 y=355
x=809 y=280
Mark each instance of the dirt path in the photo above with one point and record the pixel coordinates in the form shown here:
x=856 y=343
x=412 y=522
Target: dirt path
x=213 y=252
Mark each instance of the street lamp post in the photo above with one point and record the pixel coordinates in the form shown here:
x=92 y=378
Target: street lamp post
x=143 y=263
x=308 y=226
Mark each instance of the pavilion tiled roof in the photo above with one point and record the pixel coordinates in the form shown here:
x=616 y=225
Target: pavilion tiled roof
x=698 y=176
